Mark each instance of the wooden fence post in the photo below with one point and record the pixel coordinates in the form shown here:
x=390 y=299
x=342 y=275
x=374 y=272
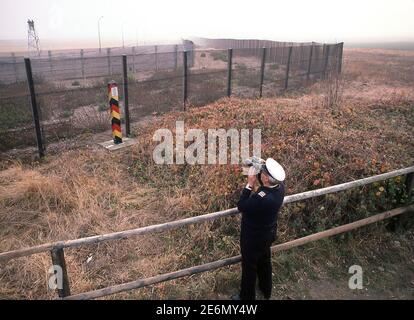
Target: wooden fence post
x=262 y=70
x=409 y=183
x=288 y=67
x=35 y=110
x=404 y=221
x=126 y=102
x=229 y=70
x=58 y=259
x=309 y=63
x=185 y=82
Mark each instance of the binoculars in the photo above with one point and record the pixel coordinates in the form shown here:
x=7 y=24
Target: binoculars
x=257 y=163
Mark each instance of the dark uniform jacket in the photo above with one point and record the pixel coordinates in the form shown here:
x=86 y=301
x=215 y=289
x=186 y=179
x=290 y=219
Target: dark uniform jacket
x=260 y=210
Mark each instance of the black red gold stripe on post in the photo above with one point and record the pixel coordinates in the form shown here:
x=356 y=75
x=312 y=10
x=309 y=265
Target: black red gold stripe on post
x=115 y=111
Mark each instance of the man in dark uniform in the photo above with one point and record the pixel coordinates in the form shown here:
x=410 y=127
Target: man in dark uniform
x=258 y=227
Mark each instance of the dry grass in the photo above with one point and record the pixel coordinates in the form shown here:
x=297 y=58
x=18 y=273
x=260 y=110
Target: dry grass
x=88 y=191
x=77 y=195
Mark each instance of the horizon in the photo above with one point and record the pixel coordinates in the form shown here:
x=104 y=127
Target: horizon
x=134 y=23
x=20 y=45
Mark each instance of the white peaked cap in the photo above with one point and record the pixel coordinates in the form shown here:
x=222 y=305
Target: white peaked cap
x=275 y=169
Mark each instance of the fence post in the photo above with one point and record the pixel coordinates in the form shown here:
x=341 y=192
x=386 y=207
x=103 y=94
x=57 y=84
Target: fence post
x=321 y=60
x=301 y=56
x=229 y=69
x=262 y=69
x=340 y=51
x=288 y=67
x=185 y=79
x=133 y=60
x=108 y=54
x=325 y=66
x=403 y=221
x=126 y=105
x=35 y=110
x=409 y=183
x=175 y=57
x=49 y=53
x=156 y=57
x=82 y=64
x=15 y=67
x=58 y=259
x=192 y=55
x=115 y=112
x=309 y=63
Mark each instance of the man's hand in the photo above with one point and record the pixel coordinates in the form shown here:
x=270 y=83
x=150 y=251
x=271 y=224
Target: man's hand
x=252 y=178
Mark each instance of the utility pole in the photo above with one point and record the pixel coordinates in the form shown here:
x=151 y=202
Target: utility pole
x=99 y=34
x=123 y=42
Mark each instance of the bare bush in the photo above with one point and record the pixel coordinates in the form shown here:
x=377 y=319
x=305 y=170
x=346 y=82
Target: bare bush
x=91 y=118
x=332 y=91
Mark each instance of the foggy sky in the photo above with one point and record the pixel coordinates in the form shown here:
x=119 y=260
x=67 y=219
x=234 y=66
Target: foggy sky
x=293 y=20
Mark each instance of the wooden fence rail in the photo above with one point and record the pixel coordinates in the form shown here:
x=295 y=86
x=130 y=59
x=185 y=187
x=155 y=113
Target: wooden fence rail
x=236 y=259
x=56 y=248
x=198 y=219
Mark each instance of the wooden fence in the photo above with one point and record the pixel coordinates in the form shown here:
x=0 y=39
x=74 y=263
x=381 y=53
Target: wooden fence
x=57 y=253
